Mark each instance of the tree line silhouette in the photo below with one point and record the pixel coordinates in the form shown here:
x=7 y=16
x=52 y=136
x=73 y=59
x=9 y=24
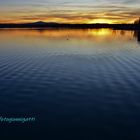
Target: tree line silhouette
x=40 y=24
x=137 y=21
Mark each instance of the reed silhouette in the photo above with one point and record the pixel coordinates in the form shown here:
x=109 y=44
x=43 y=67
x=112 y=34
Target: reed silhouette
x=137 y=35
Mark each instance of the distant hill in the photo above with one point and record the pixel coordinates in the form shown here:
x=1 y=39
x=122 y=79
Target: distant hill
x=39 y=23
x=43 y=23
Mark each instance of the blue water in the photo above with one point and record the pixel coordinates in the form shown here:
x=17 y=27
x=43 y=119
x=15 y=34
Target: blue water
x=76 y=85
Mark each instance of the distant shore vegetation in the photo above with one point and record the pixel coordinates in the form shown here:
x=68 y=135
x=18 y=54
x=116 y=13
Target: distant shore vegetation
x=137 y=21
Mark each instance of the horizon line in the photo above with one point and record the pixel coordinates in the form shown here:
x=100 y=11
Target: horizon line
x=49 y=22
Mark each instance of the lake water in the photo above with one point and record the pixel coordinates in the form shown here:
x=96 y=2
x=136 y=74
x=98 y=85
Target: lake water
x=78 y=84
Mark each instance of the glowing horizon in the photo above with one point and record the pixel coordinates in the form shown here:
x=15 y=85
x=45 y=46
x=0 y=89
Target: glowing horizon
x=69 y=11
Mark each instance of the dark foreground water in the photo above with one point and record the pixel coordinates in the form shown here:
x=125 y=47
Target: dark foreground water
x=78 y=84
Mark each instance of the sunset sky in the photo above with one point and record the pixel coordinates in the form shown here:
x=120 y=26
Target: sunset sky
x=69 y=11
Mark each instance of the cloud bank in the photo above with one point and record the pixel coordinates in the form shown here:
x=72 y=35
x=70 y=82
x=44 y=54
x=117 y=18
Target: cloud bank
x=70 y=11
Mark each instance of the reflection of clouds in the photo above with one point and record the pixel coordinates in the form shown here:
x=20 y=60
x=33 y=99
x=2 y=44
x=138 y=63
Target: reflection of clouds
x=97 y=35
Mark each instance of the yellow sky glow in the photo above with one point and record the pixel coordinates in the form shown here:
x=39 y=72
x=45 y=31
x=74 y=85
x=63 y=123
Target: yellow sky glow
x=101 y=21
x=67 y=20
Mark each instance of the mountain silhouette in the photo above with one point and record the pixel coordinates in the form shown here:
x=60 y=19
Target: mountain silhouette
x=39 y=23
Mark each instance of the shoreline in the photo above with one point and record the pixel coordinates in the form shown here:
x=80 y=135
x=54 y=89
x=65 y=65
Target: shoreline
x=71 y=26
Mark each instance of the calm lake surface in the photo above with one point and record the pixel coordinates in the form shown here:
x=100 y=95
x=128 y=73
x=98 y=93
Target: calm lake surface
x=78 y=84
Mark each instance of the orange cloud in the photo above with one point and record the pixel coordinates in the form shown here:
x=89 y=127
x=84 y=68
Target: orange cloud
x=69 y=14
